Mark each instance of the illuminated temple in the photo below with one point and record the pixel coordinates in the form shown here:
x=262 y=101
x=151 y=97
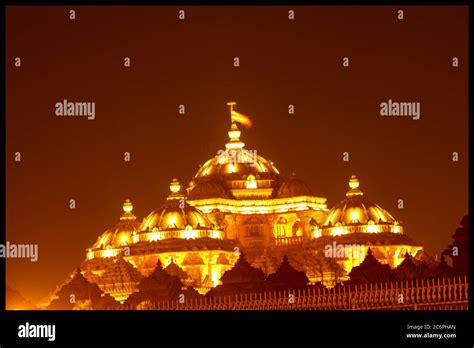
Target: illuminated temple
x=238 y=200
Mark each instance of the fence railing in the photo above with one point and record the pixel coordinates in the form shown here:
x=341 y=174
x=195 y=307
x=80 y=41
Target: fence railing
x=288 y=241
x=432 y=294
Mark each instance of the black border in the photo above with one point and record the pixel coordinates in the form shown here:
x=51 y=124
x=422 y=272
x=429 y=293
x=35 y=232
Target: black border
x=229 y=327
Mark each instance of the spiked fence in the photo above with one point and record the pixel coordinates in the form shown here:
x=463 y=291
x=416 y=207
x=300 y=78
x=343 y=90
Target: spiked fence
x=423 y=294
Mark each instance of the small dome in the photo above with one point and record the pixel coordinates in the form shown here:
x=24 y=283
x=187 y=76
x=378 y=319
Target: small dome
x=121 y=233
x=176 y=214
x=357 y=214
x=207 y=189
x=294 y=187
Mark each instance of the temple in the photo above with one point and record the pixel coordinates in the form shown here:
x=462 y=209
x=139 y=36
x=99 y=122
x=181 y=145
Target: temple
x=176 y=233
x=239 y=202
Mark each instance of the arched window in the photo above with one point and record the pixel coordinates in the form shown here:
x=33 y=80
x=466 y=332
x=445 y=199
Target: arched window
x=253 y=230
x=251 y=183
x=297 y=229
x=280 y=228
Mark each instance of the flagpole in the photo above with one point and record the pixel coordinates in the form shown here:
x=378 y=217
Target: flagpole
x=231 y=107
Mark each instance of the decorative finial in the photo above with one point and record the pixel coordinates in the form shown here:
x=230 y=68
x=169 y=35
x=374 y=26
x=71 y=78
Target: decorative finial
x=234 y=132
x=127 y=211
x=353 y=182
x=127 y=206
x=354 y=185
x=234 y=138
x=175 y=187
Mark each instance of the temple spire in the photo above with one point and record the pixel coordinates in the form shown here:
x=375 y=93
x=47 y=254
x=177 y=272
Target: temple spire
x=127 y=211
x=175 y=188
x=354 y=187
x=234 y=132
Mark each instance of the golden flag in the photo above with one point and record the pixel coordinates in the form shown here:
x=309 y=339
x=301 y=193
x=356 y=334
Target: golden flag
x=240 y=118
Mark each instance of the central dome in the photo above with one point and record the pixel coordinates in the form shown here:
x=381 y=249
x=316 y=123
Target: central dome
x=236 y=162
x=235 y=173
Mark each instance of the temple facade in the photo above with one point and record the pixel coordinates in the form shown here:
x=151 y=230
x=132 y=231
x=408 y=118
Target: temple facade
x=238 y=201
x=174 y=234
x=255 y=205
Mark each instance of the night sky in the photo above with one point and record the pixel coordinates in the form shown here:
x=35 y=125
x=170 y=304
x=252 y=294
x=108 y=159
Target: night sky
x=190 y=62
